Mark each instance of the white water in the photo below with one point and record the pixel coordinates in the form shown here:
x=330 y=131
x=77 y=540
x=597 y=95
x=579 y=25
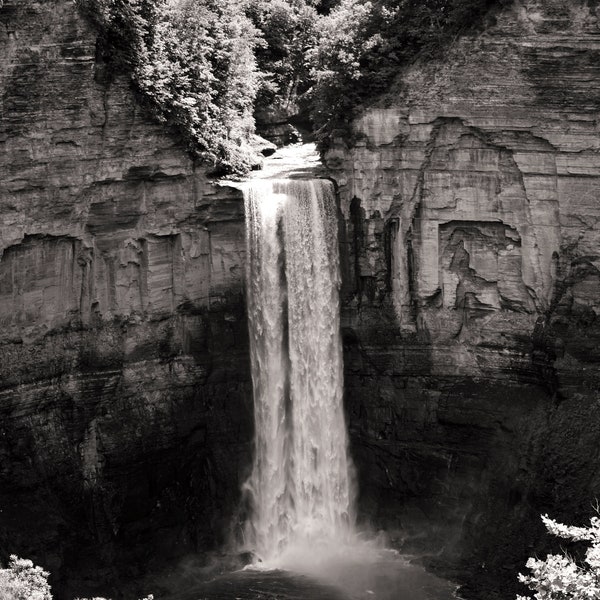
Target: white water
x=300 y=487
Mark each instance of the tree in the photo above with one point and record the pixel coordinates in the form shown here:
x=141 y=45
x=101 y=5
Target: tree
x=288 y=30
x=363 y=46
x=193 y=64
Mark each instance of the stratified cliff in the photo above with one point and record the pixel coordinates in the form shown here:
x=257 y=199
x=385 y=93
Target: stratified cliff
x=125 y=400
x=470 y=234
x=471 y=201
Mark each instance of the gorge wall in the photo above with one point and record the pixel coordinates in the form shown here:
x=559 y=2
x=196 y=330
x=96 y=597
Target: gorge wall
x=470 y=238
x=125 y=395
x=470 y=197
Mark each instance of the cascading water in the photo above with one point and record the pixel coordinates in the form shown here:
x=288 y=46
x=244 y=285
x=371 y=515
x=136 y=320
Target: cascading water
x=300 y=499
x=300 y=488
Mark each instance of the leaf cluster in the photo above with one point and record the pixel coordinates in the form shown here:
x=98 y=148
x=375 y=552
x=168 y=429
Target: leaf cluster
x=560 y=577
x=289 y=31
x=24 y=581
x=192 y=62
x=205 y=66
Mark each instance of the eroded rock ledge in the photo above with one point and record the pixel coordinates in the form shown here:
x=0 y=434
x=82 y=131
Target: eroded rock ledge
x=125 y=397
x=471 y=202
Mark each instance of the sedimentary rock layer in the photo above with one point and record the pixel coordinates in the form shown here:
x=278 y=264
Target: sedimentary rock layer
x=124 y=382
x=471 y=201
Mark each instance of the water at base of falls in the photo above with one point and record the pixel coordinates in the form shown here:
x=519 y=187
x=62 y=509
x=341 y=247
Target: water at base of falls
x=391 y=578
x=300 y=489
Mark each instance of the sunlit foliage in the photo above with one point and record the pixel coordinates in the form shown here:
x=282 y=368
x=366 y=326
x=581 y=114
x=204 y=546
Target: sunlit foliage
x=288 y=29
x=205 y=65
x=559 y=576
x=193 y=63
x=24 y=581
x=365 y=44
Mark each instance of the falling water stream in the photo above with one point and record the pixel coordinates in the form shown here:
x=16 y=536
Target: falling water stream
x=300 y=485
x=301 y=526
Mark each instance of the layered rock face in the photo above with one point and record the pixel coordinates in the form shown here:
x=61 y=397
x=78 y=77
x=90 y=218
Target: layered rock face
x=470 y=241
x=471 y=202
x=125 y=393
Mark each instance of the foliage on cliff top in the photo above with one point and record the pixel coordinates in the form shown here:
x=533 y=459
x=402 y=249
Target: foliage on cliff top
x=288 y=29
x=201 y=65
x=193 y=63
x=364 y=45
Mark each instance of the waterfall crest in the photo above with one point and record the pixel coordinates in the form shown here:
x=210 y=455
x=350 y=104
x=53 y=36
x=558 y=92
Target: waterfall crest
x=300 y=487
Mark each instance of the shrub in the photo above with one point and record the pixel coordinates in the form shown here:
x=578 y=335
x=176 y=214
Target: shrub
x=336 y=63
x=24 y=581
x=560 y=577
x=288 y=31
x=21 y=580
x=201 y=64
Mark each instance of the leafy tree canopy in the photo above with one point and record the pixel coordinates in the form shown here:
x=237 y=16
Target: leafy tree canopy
x=21 y=580
x=193 y=62
x=364 y=44
x=205 y=66
x=289 y=30
x=561 y=577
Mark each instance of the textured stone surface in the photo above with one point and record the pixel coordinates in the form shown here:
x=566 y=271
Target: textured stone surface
x=273 y=123
x=470 y=197
x=470 y=240
x=125 y=397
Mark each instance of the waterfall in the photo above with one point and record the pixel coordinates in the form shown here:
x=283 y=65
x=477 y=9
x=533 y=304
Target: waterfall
x=300 y=489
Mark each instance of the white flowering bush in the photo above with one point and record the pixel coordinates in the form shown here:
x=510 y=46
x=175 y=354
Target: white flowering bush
x=559 y=577
x=24 y=581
